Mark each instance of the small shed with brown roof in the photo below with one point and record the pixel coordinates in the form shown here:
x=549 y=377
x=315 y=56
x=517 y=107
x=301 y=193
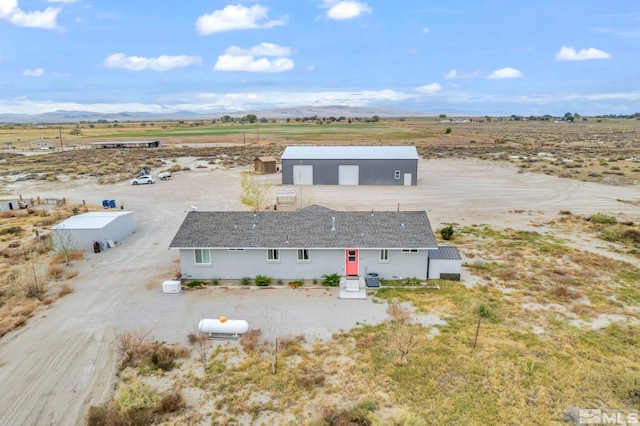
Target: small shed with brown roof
x=265 y=165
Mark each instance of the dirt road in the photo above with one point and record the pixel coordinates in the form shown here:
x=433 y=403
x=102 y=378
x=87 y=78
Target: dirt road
x=62 y=362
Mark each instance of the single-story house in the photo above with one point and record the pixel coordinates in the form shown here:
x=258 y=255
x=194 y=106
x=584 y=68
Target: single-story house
x=350 y=165
x=304 y=244
x=127 y=144
x=265 y=165
x=85 y=230
x=445 y=263
x=42 y=144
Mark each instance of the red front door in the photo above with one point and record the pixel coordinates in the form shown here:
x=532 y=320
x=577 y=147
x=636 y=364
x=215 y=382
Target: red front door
x=351 y=260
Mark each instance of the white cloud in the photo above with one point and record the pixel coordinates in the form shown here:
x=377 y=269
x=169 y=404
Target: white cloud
x=249 y=63
x=310 y=68
x=503 y=73
x=238 y=59
x=425 y=30
x=236 y=17
x=62 y=1
x=429 y=89
x=344 y=10
x=161 y=63
x=262 y=49
x=36 y=72
x=46 y=19
x=570 y=54
x=451 y=74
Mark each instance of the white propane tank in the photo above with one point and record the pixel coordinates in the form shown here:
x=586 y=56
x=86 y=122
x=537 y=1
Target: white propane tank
x=223 y=325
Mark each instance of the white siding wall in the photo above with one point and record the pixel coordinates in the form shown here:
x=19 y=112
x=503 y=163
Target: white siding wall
x=227 y=264
x=443 y=266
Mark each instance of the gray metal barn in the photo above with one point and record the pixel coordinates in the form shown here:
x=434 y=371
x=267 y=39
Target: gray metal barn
x=350 y=165
x=84 y=230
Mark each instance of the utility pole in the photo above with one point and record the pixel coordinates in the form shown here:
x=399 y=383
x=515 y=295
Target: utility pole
x=60 y=136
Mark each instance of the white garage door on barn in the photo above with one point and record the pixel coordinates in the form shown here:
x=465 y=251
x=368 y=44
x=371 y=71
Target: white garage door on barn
x=302 y=174
x=348 y=175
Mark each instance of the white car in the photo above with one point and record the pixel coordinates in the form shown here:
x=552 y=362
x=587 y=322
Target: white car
x=143 y=179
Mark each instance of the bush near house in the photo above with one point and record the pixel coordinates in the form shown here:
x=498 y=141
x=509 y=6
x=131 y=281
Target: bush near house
x=332 y=280
x=447 y=232
x=262 y=280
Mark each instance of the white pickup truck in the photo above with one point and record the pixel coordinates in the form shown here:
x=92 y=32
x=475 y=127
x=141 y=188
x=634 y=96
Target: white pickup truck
x=164 y=175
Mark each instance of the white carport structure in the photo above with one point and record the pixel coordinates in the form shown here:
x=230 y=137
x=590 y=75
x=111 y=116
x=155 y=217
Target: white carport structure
x=84 y=230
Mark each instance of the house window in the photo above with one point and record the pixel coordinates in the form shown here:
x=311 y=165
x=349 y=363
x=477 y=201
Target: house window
x=397 y=174
x=409 y=250
x=303 y=255
x=203 y=256
x=273 y=255
x=384 y=255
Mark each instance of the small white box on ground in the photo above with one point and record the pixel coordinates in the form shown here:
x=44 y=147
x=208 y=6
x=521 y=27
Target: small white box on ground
x=171 y=287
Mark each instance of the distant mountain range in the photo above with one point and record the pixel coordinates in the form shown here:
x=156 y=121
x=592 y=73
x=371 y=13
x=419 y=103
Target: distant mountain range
x=278 y=113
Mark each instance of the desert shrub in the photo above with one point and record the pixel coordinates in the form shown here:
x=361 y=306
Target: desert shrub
x=245 y=281
x=64 y=290
x=280 y=282
x=628 y=388
x=399 y=313
x=447 y=232
x=215 y=281
x=332 y=280
x=13 y=230
x=368 y=405
x=99 y=415
x=448 y=130
x=352 y=416
x=171 y=402
x=262 y=280
x=602 y=218
x=137 y=395
x=632 y=235
x=158 y=356
x=295 y=283
x=411 y=281
x=129 y=344
x=250 y=341
x=55 y=272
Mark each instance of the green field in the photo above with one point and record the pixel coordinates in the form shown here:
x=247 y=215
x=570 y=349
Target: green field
x=290 y=131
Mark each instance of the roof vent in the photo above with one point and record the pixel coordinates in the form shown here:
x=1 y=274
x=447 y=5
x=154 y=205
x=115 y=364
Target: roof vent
x=333 y=223
x=253 y=226
x=402 y=225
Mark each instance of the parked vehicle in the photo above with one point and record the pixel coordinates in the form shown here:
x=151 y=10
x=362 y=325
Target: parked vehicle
x=143 y=179
x=165 y=175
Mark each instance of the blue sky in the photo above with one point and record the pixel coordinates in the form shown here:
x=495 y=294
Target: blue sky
x=463 y=57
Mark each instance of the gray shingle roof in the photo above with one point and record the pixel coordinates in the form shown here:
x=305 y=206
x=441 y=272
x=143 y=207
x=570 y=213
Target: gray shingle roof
x=305 y=228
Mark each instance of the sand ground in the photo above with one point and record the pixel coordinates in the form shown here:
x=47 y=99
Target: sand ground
x=63 y=360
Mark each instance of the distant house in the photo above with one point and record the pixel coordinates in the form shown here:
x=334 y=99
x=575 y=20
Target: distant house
x=350 y=165
x=265 y=165
x=127 y=144
x=42 y=144
x=306 y=243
